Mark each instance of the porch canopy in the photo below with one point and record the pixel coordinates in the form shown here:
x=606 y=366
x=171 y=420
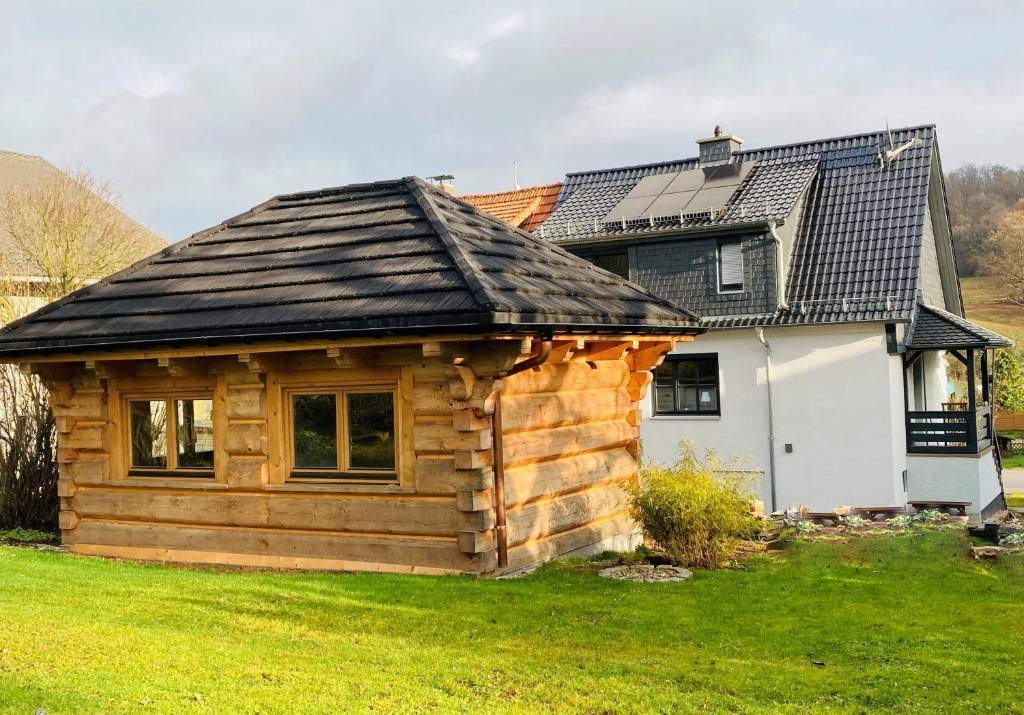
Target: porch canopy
x=966 y=429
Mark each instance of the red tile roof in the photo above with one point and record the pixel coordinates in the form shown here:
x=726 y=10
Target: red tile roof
x=522 y=208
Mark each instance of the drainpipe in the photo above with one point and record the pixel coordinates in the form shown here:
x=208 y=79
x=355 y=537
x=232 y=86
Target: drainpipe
x=498 y=453
x=780 y=269
x=771 y=417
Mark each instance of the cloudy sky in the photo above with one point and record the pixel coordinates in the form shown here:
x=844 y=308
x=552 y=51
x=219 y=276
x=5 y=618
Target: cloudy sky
x=195 y=111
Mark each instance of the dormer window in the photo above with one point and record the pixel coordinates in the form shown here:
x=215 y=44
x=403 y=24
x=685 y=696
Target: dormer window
x=730 y=267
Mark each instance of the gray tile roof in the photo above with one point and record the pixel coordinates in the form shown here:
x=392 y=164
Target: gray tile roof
x=856 y=254
x=365 y=259
x=935 y=329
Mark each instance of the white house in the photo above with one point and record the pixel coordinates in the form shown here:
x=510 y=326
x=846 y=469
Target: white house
x=825 y=271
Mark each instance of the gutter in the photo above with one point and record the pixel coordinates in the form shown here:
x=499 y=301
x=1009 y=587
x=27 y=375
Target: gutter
x=771 y=416
x=498 y=453
x=671 y=232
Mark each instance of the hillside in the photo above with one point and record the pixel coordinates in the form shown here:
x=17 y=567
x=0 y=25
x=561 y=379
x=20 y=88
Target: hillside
x=982 y=301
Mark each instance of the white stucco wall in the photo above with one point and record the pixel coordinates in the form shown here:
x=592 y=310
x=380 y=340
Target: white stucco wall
x=838 y=400
x=953 y=478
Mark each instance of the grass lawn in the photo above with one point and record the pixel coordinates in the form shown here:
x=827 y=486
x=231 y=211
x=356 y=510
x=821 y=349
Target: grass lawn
x=900 y=624
x=1015 y=499
x=1014 y=462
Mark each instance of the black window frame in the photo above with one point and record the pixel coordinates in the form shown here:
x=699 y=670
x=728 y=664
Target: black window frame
x=730 y=287
x=675 y=361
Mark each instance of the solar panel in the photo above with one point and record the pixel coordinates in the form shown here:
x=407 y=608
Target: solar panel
x=691 y=191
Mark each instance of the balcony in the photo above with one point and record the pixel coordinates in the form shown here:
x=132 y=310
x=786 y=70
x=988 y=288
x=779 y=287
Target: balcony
x=956 y=431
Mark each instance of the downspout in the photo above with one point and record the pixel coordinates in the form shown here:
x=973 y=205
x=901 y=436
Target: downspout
x=498 y=454
x=780 y=269
x=771 y=415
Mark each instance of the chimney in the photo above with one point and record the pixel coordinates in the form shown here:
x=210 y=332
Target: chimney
x=718 y=149
x=444 y=182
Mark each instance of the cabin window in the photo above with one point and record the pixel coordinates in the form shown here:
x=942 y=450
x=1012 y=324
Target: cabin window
x=687 y=385
x=343 y=434
x=171 y=436
x=730 y=266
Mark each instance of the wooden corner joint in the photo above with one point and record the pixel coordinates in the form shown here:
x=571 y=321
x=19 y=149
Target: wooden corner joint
x=476 y=542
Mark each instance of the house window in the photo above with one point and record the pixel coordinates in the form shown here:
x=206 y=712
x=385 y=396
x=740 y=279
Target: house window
x=342 y=433
x=687 y=385
x=171 y=436
x=613 y=261
x=730 y=266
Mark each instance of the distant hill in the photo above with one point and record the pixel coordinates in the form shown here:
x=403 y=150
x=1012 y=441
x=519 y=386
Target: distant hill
x=983 y=305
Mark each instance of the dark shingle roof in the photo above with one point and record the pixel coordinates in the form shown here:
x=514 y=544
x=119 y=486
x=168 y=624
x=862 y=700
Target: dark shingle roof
x=856 y=254
x=376 y=258
x=935 y=329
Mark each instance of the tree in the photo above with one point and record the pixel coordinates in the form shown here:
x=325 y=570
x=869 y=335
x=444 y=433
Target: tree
x=63 y=233
x=1007 y=246
x=1009 y=381
x=979 y=196
x=60 y=234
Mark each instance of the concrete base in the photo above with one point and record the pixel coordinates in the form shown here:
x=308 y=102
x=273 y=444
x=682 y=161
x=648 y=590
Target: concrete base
x=969 y=478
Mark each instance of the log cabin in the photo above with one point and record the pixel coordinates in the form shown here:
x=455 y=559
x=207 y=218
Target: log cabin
x=372 y=377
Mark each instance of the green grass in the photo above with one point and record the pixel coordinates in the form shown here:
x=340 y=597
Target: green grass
x=899 y=624
x=1015 y=499
x=1015 y=461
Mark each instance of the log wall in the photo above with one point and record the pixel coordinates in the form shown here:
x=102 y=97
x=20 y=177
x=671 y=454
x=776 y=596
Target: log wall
x=570 y=440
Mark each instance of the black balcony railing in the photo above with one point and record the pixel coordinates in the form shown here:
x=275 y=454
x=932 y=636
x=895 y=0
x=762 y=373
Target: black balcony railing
x=953 y=432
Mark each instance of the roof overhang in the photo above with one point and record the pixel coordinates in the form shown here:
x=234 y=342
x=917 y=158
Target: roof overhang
x=935 y=329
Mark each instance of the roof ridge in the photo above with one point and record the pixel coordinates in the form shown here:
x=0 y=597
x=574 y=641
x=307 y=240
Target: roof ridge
x=511 y=191
x=468 y=269
x=773 y=147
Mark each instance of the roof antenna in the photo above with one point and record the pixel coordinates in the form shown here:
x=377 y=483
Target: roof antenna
x=894 y=151
x=515 y=174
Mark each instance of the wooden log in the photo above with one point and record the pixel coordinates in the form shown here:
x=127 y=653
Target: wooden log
x=549 y=516
x=245 y=472
x=246 y=438
x=370 y=549
x=533 y=552
x=474 y=499
x=530 y=481
x=569 y=376
x=639 y=382
x=432 y=398
x=85 y=437
x=541 y=410
x=67 y=520
x=441 y=438
x=248 y=403
x=538 y=445
x=350 y=513
x=475 y=542
x=93 y=468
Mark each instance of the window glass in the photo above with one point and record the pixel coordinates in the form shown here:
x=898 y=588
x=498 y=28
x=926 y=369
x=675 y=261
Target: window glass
x=194 y=433
x=687 y=385
x=663 y=374
x=315 y=428
x=148 y=433
x=371 y=430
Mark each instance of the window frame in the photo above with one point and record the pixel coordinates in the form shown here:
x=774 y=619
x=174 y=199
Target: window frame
x=343 y=473
x=674 y=360
x=724 y=288
x=170 y=398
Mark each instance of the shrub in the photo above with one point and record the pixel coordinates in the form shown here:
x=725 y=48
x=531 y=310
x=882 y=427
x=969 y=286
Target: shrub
x=929 y=516
x=856 y=521
x=28 y=451
x=697 y=509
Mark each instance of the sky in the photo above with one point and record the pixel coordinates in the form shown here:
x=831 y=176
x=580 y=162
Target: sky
x=196 y=111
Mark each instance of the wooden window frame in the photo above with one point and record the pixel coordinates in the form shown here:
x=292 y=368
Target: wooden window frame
x=170 y=399
x=674 y=361
x=344 y=473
